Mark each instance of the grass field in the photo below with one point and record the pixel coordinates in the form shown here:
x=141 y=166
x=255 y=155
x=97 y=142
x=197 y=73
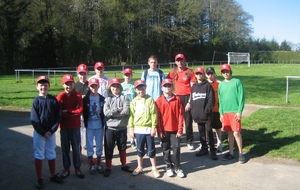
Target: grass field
x=274 y=132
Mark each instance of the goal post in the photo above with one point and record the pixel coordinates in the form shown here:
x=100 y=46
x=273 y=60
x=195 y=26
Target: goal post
x=238 y=57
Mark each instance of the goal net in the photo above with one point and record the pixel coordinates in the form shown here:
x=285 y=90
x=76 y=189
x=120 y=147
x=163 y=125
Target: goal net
x=238 y=57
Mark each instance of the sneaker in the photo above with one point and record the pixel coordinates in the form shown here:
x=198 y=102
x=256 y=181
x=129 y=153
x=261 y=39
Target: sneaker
x=107 y=172
x=156 y=173
x=92 y=170
x=202 y=152
x=126 y=169
x=190 y=146
x=169 y=172
x=242 y=159
x=64 y=174
x=228 y=156
x=39 y=183
x=100 y=169
x=213 y=155
x=56 y=178
x=219 y=147
x=137 y=171
x=180 y=173
x=79 y=173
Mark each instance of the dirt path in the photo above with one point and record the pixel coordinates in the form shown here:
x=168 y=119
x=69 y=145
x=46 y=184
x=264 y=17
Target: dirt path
x=17 y=169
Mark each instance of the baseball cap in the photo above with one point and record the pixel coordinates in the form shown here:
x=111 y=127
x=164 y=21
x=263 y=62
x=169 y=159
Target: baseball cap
x=98 y=64
x=199 y=70
x=67 y=78
x=225 y=67
x=166 y=81
x=210 y=70
x=139 y=82
x=114 y=81
x=179 y=56
x=127 y=71
x=42 y=79
x=82 y=68
x=93 y=81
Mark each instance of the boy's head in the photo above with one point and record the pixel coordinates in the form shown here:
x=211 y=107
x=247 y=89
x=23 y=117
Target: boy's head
x=210 y=73
x=43 y=85
x=127 y=73
x=82 y=71
x=114 y=86
x=226 y=71
x=94 y=85
x=99 y=69
x=68 y=83
x=180 y=60
x=199 y=73
x=152 y=62
x=140 y=88
x=167 y=86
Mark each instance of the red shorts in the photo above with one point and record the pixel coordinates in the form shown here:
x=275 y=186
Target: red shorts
x=230 y=124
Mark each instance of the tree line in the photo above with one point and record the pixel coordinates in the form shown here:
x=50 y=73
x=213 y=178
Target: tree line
x=55 y=33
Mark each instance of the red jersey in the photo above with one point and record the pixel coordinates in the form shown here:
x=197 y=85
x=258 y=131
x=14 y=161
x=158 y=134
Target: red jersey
x=182 y=80
x=215 y=85
x=170 y=114
x=74 y=106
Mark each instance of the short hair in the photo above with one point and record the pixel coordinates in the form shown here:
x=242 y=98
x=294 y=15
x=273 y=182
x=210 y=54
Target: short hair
x=152 y=57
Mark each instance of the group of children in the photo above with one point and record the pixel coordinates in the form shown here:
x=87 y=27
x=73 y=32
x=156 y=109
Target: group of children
x=106 y=107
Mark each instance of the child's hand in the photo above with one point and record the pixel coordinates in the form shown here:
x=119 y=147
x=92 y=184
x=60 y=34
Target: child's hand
x=47 y=135
x=221 y=118
x=153 y=132
x=131 y=134
x=188 y=107
x=238 y=116
x=178 y=135
x=161 y=136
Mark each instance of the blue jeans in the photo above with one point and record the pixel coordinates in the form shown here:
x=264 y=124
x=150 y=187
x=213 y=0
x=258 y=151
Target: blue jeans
x=141 y=141
x=92 y=134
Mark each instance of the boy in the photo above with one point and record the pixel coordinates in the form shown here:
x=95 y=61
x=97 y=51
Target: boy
x=142 y=124
x=216 y=123
x=45 y=117
x=170 y=126
x=202 y=101
x=184 y=78
x=116 y=111
x=128 y=90
x=231 y=105
x=71 y=107
x=94 y=121
x=153 y=78
x=103 y=80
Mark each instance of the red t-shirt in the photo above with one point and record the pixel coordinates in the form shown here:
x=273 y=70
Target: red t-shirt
x=182 y=81
x=215 y=85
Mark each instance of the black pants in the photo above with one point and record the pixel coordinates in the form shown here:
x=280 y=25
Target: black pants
x=171 y=139
x=70 y=137
x=110 y=139
x=188 y=120
x=205 y=128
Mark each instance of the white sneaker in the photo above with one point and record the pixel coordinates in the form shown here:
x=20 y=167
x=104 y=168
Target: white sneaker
x=169 y=172
x=137 y=171
x=179 y=173
x=156 y=173
x=190 y=146
x=219 y=147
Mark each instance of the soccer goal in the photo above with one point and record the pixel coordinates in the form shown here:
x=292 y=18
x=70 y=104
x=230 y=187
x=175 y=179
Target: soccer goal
x=238 y=57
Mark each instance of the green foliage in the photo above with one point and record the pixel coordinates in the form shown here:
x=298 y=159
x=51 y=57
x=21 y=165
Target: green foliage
x=277 y=55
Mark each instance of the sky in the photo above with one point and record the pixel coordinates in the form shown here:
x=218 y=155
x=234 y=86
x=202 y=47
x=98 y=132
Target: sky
x=274 y=19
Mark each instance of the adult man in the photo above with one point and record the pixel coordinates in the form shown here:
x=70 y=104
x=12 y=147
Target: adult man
x=184 y=78
x=103 y=80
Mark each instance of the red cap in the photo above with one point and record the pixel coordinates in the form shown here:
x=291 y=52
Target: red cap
x=127 y=71
x=225 y=67
x=82 y=68
x=42 y=78
x=98 y=64
x=166 y=81
x=199 y=70
x=179 y=56
x=139 y=82
x=114 y=81
x=93 y=81
x=67 y=78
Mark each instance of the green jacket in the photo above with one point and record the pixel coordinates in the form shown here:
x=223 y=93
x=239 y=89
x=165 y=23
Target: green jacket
x=143 y=113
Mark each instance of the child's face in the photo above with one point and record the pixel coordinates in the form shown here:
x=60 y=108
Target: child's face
x=99 y=71
x=226 y=74
x=127 y=76
x=199 y=76
x=68 y=86
x=43 y=88
x=94 y=88
x=140 y=91
x=167 y=89
x=82 y=76
x=115 y=89
x=152 y=63
x=210 y=76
